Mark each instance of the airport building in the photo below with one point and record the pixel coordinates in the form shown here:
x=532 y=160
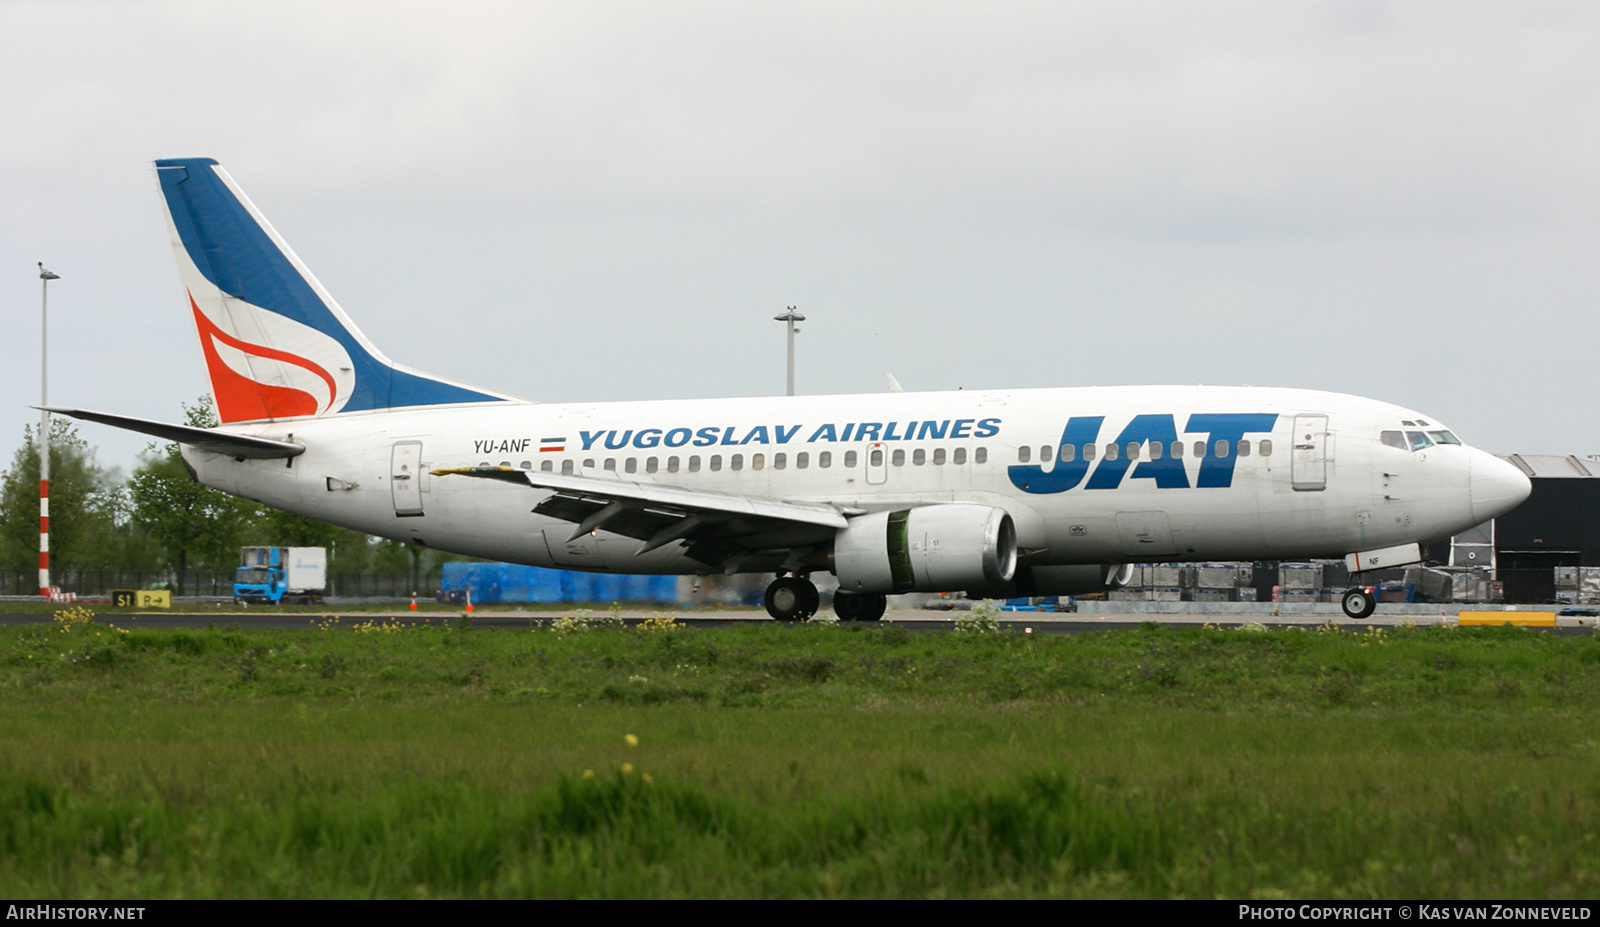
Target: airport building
x=1548 y=548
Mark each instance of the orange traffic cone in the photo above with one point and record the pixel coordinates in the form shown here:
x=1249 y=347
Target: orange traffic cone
x=413 y=601
x=469 y=601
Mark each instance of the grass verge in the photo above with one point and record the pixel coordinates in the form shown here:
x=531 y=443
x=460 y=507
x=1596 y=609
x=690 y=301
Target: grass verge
x=362 y=760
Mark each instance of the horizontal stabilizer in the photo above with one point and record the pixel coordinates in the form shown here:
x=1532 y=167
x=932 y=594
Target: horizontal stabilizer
x=221 y=442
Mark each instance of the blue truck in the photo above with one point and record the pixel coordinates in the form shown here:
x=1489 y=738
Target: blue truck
x=274 y=574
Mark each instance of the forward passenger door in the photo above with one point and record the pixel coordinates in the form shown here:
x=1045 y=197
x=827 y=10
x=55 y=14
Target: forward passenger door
x=1308 y=468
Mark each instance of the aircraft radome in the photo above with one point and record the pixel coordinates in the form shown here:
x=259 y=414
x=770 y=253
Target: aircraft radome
x=994 y=493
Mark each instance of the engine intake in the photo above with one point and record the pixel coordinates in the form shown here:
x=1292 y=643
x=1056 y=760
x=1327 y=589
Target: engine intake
x=931 y=548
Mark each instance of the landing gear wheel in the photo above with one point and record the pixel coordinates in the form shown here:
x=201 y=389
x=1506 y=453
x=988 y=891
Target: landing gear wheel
x=855 y=606
x=792 y=598
x=1358 y=603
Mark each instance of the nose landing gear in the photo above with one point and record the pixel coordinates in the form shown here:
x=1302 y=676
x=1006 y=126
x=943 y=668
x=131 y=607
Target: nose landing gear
x=792 y=598
x=1358 y=602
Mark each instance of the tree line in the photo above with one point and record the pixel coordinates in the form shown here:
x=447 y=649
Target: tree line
x=159 y=519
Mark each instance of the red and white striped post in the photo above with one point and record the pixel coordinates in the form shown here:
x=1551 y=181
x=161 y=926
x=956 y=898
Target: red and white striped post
x=45 y=277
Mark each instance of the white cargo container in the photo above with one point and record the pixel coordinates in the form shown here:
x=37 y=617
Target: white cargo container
x=306 y=570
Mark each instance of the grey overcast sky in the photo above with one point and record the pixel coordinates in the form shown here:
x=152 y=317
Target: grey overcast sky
x=610 y=200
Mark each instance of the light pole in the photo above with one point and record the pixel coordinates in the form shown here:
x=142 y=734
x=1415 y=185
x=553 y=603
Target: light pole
x=45 y=277
x=790 y=317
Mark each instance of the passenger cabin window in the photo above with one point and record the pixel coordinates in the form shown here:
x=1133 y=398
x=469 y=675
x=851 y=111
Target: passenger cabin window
x=758 y=461
x=588 y=463
x=1133 y=450
x=801 y=460
x=1244 y=448
x=1395 y=440
x=981 y=455
x=1220 y=448
x=1156 y=448
x=1069 y=453
x=547 y=465
x=526 y=465
x=877 y=457
x=825 y=459
x=1111 y=452
x=1177 y=450
x=1088 y=452
x=849 y=459
x=779 y=461
x=961 y=455
x=1024 y=454
x=899 y=457
x=566 y=466
x=716 y=462
x=672 y=464
x=736 y=462
x=694 y=463
x=505 y=463
x=919 y=457
x=632 y=465
x=1266 y=447
x=1044 y=454
x=651 y=464
x=611 y=463
x=1199 y=449
x=938 y=456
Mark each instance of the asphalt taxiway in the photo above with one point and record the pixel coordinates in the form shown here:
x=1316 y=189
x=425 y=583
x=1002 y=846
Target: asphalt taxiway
x=1086 y=620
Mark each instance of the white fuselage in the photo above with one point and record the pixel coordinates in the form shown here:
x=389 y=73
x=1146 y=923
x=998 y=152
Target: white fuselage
x=1258 y=473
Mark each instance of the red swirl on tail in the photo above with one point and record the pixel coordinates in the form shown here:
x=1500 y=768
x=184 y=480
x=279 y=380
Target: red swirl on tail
x=241 y=399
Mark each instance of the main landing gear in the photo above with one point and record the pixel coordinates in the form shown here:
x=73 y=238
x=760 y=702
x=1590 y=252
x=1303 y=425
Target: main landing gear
x=794 y=598
x=1358 y=602
x=859 y=606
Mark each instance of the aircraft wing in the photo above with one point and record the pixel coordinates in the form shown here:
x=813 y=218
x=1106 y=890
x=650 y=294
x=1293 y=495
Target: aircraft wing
x=222 y=442
x=715 y=525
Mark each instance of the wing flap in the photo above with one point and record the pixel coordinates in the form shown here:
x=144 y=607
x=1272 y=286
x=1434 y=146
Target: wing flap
x=655 y=494
x=711 y=523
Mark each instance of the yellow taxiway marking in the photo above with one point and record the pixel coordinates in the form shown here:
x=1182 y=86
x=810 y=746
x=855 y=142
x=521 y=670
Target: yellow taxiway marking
x=1521 y=619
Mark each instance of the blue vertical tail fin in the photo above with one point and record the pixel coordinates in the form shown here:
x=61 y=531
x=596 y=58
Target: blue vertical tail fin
x=276 y=345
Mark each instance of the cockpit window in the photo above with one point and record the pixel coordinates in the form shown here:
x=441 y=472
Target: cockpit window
x=1443 y=437
x=1395 y=440
x=1419 y=441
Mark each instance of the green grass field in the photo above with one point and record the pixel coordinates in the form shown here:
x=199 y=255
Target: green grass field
x=359 y=760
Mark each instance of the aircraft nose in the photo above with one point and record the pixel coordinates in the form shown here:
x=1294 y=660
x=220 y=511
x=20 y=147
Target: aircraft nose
x=1496 y=487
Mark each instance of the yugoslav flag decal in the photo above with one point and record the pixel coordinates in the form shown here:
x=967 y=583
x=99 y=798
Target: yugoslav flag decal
x=266 y=366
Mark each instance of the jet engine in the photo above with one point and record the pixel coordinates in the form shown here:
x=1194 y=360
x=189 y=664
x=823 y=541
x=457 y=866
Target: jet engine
x=931 y=548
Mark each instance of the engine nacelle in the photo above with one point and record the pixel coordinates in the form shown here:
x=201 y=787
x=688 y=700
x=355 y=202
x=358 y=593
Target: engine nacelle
x=931 y=548
x=1080 y=579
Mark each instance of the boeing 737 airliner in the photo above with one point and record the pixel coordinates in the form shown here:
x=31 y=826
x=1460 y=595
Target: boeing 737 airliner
x=992 y=493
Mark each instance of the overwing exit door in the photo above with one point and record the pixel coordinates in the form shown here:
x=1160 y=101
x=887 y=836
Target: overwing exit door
x=877 y=463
